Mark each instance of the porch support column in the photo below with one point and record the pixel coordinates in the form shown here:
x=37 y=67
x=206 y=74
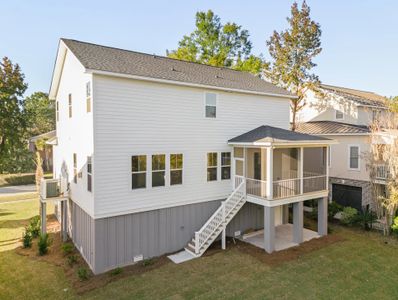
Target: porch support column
x=269 y=229
x=43 y=217
x=298 y=222
x=301 y=170
x=270 y=175
x=63 y=221
x=285 y=214
x=323 y=216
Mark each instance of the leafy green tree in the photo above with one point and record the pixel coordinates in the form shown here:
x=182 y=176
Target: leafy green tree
x=394 y=104
x=13 y=150
x=292 y=52
x=215 y=44
x=39 y=113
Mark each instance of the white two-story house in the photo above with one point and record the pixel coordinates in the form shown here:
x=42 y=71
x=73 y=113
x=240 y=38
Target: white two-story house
x=153 y=155
x=346 y=115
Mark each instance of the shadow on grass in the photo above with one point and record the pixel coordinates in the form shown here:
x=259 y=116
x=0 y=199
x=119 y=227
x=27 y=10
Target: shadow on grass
x=5 y=212
x=12 y=224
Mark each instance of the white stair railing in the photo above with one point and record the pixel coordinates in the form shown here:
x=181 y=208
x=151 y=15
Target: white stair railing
x=219 y=220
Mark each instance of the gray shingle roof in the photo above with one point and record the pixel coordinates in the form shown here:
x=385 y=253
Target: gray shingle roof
x=360 y=97
x=274 y=134
x=331 y=127
x=102 y=58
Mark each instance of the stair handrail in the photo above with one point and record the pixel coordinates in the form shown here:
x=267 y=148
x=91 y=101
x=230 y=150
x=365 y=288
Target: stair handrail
x=198 y=245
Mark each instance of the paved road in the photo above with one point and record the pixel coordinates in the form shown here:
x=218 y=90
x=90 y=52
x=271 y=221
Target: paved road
x=17 y=189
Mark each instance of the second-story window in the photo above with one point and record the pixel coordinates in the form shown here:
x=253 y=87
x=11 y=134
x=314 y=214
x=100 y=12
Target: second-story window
x=339 y=115
x=89 y=174
x=176 y=169
x=70 y=105
x=212 y=166
x=225 y=165
x=74 y=167
x=138 y=170
x=211 y=105
x=158 y=170
x=354 y=157
x=88 y=97
x=57 y=110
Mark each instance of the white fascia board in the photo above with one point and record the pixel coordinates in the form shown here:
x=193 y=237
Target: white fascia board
x=165 y=81
x=57 y=71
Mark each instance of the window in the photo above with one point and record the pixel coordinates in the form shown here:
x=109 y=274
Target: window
x=176 y=169
x=211 y=105
x=354 y=157
x=375 y=115
x=225 y=165
x=57 y=110
x=212 y=166
x=339 y=115
x=138 y=170
x=89 y=173
x=74 y=168
x=158 y=170
x=70 y=105
x=88 y=97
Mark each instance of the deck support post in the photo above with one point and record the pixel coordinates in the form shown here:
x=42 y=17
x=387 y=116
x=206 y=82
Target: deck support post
x=43 y=217
x=285 y=214
x=298 y=222
x=269 y=229
x=323 y=216
x=223 y=239
x=63 y=221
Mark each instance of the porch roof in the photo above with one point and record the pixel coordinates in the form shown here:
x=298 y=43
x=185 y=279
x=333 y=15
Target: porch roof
x=268 y=135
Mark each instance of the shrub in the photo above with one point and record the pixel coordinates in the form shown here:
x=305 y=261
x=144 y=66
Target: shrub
x=147 y=262
x=67 y=248
x=27 y=239
x=72 y=259
x=116 y=271
x=82 y=273
x=34 y=226
x=349 y=216
x=43 y=244
x=394 y=226
x=333 y=209
x=366 y=218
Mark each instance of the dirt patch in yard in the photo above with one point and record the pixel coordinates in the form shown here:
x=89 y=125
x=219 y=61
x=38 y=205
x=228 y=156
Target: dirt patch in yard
x=293 y=253
x=56 y=256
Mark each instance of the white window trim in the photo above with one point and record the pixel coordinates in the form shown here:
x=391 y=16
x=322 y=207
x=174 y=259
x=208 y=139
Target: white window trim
x=335 y=115
x=205 y=105
x=359 y=157
x=90 y=173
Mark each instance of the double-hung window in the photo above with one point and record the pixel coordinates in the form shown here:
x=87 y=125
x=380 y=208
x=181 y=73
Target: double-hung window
x=212 y=166
x=211 y=105
x=70 y=105
x=158 y=170
x=74 y=167
x=138 y=170
x=89 y=174
x=339 y=115
x=354 y=157
x=88 y=97
x=225 y=165
x=176 y=164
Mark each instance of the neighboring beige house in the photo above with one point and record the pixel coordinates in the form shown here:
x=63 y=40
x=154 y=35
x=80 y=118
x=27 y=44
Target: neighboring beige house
x=346 y=115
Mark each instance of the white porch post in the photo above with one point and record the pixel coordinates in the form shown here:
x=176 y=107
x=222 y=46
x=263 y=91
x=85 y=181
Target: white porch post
x=63 y=221
x=298 y=222
x=223 y=235
x=327 y=167
x=270 y=174
x=323 y=216
x=43 y=217
x=301 y=170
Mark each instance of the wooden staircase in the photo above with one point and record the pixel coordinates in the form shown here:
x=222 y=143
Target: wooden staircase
x=218 y=222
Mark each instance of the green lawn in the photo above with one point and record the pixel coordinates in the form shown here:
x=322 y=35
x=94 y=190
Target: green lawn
x=362 y=266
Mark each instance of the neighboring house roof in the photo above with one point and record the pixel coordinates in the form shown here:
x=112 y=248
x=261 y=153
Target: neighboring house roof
x=332 y=128
x=113 y=60
x=360 y=97
x=46 y=135
x=275 y=135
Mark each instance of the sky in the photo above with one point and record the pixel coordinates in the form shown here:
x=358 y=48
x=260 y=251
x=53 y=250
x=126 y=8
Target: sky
x=359 y=37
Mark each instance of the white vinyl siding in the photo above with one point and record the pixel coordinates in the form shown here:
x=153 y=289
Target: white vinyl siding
x=134 y=117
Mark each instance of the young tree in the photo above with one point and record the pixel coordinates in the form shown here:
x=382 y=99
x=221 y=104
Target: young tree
x=39 y=113
x=12 y=123
x=292 y=52
x=215 y=44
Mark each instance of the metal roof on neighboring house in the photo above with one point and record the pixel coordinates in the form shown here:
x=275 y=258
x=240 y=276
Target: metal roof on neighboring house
x=274 y=134
x=331 y=127
x=358 y=96
x=114 y=60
